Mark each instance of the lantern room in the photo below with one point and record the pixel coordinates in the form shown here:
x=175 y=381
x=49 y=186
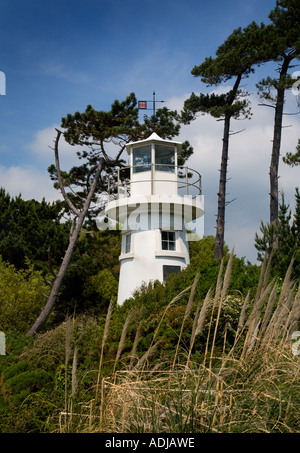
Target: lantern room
x=153 y=166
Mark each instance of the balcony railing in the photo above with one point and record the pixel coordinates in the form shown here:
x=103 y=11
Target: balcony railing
x=187 y=179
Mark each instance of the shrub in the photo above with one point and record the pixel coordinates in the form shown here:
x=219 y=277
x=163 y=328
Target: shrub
x=22 y=296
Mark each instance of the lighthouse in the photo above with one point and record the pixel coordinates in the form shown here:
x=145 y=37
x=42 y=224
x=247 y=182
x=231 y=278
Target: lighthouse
x=154 y=203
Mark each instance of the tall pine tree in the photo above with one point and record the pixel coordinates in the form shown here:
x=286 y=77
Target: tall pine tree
x=235 y=60
x=283 y=46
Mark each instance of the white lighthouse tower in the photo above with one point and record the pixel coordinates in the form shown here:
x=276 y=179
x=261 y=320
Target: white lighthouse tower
x=153 y=209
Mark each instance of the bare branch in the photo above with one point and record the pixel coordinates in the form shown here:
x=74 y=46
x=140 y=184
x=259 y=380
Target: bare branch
x=93 y=187
x=268 y=105
x=60 y=180
x=88 y=177
x=103 y=151
x=120 y=152
x=231 y=201
x=73 y=191
x=291 y=114
x=234 y=133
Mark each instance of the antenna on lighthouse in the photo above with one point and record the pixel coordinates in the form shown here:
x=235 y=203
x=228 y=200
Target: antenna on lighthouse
x=143 y=105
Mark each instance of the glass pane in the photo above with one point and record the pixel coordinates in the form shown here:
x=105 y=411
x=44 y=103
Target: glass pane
x=164 y=235
x=127 y=243
x=164 y=245
x=171 y=236
x=141 y=157
x=171 y=245
x=164 y=156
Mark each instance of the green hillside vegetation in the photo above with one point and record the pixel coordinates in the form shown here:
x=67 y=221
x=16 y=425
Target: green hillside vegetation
x=211 y=350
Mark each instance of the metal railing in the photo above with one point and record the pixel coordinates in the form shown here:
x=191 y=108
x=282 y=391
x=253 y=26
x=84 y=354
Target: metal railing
x=188 y=180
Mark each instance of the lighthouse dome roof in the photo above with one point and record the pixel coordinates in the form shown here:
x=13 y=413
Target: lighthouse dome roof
x=154 y=138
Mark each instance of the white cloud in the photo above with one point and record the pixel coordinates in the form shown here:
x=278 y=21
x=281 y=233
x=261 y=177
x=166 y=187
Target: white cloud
x=28 y=181
x=32 y=182
x=42 y=146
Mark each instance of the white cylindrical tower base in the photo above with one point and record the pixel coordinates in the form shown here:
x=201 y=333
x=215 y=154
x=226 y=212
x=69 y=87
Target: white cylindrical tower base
x=147 y=260
x=154 y=238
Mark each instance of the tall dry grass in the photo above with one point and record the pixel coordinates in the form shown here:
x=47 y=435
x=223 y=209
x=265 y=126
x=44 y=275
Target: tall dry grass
x=251 y=386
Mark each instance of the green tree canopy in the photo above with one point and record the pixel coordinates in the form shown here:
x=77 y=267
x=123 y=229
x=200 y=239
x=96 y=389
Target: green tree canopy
x=22 y=295
x=31 y=230
x=293 y=159
x=288 y=232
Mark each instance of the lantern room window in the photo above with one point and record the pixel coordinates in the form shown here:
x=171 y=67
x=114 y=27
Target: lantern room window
x=141 y=158
x=164 y=158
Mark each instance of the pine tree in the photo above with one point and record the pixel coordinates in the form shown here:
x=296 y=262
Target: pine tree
x=288 y=233
x=31 y=230
x=283 y=46
x=295 y=230
x=293 y=159
x=234 y=60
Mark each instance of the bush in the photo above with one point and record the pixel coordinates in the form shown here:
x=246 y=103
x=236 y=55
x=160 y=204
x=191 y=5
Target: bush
x=22 y=296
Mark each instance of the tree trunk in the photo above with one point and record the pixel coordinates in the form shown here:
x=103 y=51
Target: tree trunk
x=219 y=242
x=220 y=229
x=58 y=280
x=68 y=255
x=276 y=149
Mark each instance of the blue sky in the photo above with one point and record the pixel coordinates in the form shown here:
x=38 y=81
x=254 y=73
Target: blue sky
x=59 y=56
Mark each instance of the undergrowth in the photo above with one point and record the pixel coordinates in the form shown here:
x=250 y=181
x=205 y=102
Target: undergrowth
x=224 y=362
